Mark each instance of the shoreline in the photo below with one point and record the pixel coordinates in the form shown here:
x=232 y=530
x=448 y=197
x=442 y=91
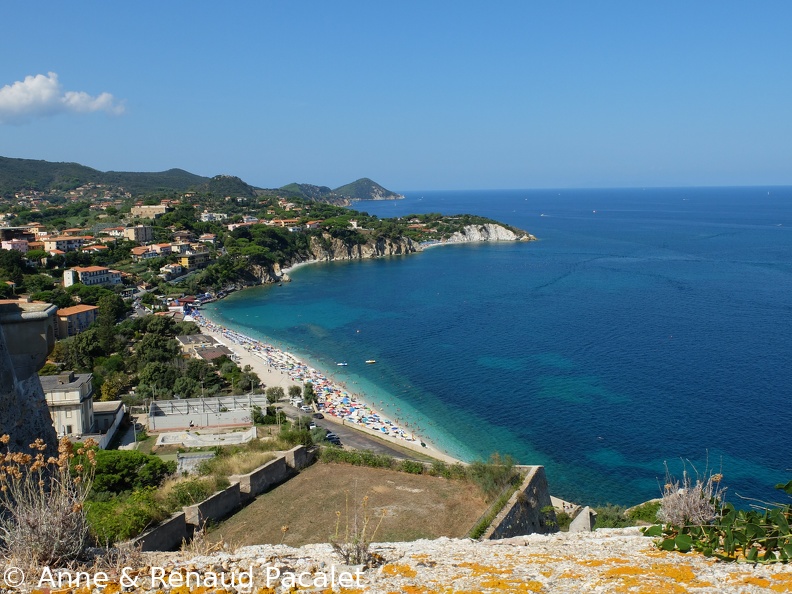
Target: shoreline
x=279 y=368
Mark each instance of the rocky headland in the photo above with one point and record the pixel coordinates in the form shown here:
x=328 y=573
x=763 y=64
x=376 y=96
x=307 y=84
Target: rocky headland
x=328 y=249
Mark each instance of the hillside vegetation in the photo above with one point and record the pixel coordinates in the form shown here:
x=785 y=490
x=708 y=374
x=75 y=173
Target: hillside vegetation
x=18 y=175
x=29 y=175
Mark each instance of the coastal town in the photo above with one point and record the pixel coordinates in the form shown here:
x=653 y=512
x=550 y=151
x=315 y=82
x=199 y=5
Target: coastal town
x=133 y=364
x=149 y=255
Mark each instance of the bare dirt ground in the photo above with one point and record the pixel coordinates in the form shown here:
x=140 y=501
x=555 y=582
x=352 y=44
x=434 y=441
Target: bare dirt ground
x=415 y=506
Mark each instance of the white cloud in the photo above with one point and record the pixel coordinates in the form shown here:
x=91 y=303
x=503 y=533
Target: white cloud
x=41 y=96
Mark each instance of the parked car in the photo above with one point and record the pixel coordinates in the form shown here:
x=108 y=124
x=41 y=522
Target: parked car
x=312 y=425
x=334 y=440
x=306 y=408
x=318 y=416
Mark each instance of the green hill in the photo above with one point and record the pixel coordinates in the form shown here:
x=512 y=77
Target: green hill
x=228 y=185
x=17 y=175
x=44 y=176
x=362 y=189
x=311 y=192
x=366 y=189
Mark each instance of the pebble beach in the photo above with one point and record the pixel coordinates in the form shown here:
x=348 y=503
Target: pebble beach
x=277 y=367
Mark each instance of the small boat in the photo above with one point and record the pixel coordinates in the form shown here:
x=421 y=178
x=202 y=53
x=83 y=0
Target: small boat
x=370 y=361
x=344 y=364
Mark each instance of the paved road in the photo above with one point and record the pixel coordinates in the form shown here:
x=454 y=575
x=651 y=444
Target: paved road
x=351 y=437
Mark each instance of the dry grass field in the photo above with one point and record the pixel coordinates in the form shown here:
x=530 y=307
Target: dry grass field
x=415 y=506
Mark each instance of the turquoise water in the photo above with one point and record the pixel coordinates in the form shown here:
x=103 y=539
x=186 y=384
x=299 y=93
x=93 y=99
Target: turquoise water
x=645 y=326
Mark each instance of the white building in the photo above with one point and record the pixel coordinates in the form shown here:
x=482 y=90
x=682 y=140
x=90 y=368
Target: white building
x=70 y=400
x=91 y=275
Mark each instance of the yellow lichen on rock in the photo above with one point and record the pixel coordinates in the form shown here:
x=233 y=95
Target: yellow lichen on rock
x=393 y=569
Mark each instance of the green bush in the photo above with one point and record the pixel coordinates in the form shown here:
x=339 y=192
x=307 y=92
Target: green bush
x=612 y=516
x=357 y=458
x=411 y=467
x=494 y=476
x=118 y=471
x=124 y=516
x=294 y=437
x=646 y=512
x=563 y=520
x=190 y=492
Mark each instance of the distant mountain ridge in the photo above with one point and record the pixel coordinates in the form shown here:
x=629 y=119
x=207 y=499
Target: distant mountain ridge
x=362 y=189
x=18 y=175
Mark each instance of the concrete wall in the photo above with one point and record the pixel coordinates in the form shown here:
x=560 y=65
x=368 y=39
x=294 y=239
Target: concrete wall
x=167 y=536
x=300 y=456
x=216 y=507
x=256 y=482
x=523 y=513
x=225 y=419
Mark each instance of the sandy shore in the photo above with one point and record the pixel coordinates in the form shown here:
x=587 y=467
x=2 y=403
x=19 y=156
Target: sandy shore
x=276 y=367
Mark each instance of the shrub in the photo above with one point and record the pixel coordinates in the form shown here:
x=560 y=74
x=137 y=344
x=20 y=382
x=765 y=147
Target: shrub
x=189 y=492
x=697 y=519
x=125 y=516
x=646 y=512
x=125 y=470
x=42 y=514
x=353 y=544
x=612 y=516
x=494 y=476
x=563 y=520
x=237 y=463
x=687 y=503
x=294 y=437
x=358 y=458
x=411 y=467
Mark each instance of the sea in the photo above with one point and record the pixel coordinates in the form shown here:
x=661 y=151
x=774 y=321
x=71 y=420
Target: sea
x=647 y=331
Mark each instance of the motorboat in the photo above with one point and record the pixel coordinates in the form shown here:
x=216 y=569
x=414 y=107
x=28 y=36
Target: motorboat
x=344 y=364
x=370 y=361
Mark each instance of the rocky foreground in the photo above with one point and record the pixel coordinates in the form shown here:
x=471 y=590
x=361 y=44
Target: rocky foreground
x=601 y=561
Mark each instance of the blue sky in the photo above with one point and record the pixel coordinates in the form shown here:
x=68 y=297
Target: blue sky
x=414 y=94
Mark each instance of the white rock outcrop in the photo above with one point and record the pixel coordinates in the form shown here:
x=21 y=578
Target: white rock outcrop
x=487 y=232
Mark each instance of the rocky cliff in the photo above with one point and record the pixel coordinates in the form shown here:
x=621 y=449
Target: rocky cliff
x=488 y=232
x=326 y=248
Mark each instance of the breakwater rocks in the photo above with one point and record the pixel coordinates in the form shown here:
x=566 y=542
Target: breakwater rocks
x=606 y=560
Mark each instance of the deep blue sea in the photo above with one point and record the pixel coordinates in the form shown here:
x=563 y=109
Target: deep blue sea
x=644 y=326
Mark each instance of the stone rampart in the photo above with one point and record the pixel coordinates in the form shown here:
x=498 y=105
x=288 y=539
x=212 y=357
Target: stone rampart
x=524 y=514
x=300 y=456
x=256 y=482
x=166 y=536
x=214 y=508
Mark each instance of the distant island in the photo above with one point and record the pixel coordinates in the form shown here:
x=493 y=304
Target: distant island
x=29 y=175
